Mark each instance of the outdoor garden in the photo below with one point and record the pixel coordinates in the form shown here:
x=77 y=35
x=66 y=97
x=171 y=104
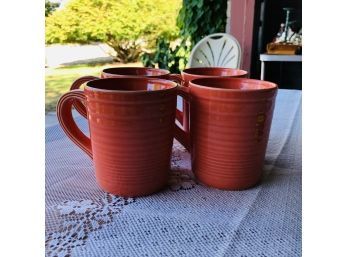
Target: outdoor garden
x=147 y=33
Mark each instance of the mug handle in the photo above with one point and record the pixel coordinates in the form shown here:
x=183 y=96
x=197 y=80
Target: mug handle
x=176 y=78
x=182 y=117
x=183 y=135
x=80 y=108
x=66 y=120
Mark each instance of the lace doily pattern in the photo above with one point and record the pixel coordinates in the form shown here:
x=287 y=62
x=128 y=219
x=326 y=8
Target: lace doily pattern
x=79 y=218
x=186 y=219
x=181 y=177
x=181 y=180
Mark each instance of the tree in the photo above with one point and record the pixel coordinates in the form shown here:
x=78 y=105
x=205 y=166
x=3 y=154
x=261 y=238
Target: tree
x=50 y=7
x=126 y=25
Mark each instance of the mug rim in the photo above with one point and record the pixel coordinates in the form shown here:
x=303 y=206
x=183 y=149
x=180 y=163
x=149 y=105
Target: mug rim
x=172 y=86
x=186 y=71
x=165 y=72
x=273 y=86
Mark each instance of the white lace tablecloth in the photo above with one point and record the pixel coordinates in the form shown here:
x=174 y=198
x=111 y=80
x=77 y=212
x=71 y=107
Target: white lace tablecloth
x=186 y=219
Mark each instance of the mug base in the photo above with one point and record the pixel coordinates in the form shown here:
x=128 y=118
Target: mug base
x=133 y=193
x=230 y=187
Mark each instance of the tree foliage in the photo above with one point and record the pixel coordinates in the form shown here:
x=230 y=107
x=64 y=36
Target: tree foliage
x=169 y=55
x=126 y=25
x=199 y=18
x=50 y=7
x=196 y=19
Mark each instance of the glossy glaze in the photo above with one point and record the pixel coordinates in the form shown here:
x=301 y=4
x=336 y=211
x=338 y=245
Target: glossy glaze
x=208 y=72
x=203 y=72
x=134 y=71
x=132 y=124
x=121 y=72
x=230 y=120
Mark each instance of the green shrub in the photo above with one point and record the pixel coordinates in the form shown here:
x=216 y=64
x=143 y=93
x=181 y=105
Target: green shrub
x=50 y=7
x=169 y=55
x=199 y=18
x=196 y=19
x=120 y=23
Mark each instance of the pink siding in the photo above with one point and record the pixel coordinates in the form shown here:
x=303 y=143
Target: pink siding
x=241 y=27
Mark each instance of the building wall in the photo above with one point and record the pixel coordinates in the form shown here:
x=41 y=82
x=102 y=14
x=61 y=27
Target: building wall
x=240 y=25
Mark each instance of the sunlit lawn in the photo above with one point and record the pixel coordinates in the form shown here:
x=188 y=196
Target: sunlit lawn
x=59 y=80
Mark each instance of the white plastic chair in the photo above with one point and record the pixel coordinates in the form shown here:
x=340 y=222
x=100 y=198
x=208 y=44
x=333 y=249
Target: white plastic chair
x=216 y=50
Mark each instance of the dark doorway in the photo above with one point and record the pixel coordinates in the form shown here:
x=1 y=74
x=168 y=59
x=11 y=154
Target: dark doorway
x=269 y=14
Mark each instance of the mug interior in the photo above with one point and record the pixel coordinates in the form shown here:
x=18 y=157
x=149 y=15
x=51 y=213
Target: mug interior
x=135 y=71
x=130 y=84
x=215 y=71
x=234 y=83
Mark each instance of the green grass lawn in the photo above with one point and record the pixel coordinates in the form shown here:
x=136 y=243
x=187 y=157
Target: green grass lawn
x=59 y=80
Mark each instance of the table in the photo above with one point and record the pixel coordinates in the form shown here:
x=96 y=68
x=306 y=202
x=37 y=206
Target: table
x=186 y=219
x=277 y=58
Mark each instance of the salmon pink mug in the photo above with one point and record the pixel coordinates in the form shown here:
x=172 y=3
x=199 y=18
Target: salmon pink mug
x=230 y=121
x=202 y=72
x=132 y=125
x=120 y=72
x=208 y=72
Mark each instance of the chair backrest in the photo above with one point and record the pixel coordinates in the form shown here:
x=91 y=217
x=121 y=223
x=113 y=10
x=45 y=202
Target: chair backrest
x=216 y=50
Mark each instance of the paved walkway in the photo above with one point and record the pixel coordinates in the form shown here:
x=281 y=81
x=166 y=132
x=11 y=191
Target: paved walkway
x=71 y=54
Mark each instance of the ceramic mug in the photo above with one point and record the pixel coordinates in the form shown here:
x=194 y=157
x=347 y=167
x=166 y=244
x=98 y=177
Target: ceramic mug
x=230 y=120
x=119 y=72
x=207 y=72
x=202 y=72
x=131 y=124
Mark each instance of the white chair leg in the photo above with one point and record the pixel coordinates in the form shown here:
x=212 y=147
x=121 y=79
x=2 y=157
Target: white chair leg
x=262 y=70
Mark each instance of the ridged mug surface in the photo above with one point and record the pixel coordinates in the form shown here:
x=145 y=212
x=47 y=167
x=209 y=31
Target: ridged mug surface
x=132 y=136
x=189 y=74
x=121 y=72
x=230 y=120
x=132 y=125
